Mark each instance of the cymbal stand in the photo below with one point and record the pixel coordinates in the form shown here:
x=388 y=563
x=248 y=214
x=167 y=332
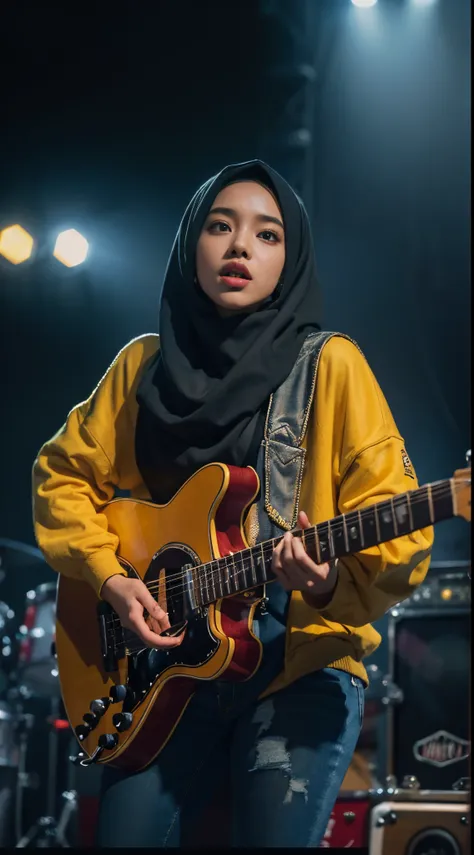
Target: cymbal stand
x=24 y=779
x=47 y=832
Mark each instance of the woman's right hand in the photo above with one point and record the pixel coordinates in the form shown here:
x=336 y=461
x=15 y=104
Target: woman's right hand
x=128 y=598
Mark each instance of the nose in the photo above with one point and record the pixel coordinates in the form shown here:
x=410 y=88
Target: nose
x=239 y=247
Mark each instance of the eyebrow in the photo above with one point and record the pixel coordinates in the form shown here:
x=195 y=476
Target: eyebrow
x=262 y=218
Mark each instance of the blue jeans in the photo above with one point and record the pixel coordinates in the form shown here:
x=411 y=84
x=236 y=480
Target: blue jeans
x=287 y=754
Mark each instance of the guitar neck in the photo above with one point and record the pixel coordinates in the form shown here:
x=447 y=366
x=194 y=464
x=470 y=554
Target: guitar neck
x=343 y=535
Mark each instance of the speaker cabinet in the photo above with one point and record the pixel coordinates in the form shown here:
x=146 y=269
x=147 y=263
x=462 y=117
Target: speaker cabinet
x=428 y=726
x=409 y=828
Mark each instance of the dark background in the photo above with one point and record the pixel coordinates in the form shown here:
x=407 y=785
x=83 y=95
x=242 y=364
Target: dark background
x=112 y=114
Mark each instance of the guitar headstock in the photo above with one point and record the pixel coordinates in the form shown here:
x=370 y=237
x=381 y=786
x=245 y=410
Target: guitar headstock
x=462 y=491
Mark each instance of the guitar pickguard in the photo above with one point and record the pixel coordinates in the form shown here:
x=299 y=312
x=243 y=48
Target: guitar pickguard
x=165 y=579
x=199 y=643
x=197 y=648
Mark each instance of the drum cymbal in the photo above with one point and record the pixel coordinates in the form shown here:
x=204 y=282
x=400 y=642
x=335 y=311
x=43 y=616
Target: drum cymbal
x=14 y=553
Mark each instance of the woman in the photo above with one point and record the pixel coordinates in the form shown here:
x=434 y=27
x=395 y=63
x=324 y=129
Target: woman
x=240 y=299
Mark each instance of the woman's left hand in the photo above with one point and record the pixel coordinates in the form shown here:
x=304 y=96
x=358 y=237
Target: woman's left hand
x=296 y=571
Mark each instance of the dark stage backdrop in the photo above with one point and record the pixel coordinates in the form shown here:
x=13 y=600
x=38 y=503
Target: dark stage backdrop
x=392 y=219
x=112 y=115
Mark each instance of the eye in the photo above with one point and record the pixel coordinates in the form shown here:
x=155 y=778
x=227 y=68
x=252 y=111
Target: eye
x=218 y=226
x=270 y=236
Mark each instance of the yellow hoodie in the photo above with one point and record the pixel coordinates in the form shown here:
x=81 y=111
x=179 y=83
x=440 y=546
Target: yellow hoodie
x=354 y=458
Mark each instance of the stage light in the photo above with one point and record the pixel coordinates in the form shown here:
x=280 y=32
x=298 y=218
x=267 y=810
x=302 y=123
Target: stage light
x=71 y=248
x=16 y=245
x=424 y=2
x=364 y=4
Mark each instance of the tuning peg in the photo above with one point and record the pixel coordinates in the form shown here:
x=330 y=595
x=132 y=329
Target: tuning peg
x=122 y=721
x=118 y=693
x=468 y=457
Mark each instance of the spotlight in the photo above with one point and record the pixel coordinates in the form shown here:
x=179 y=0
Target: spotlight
x=364 y=4
x=71 y=248
x=16 y=245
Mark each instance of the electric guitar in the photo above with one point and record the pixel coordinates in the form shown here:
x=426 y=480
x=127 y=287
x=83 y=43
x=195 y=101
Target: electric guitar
x=124 y=700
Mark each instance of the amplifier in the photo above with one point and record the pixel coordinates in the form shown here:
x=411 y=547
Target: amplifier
x=427 y=733
x=448 y=583
x=418 y=828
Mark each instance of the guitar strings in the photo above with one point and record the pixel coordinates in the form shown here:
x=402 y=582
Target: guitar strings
x=335 y=528
x=267 y=547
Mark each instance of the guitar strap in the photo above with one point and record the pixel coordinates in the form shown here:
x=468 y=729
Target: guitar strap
x=281 y=459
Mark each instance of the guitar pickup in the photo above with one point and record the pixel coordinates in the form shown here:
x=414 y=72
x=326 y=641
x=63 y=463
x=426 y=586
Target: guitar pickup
x=111 y=651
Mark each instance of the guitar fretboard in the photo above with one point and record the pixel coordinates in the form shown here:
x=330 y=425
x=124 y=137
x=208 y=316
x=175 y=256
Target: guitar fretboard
x=343 y=535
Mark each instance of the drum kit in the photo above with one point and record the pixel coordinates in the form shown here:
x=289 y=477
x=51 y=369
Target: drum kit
x=31 y=725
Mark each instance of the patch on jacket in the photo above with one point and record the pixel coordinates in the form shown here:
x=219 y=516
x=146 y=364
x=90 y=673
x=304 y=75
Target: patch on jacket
x=407 y=465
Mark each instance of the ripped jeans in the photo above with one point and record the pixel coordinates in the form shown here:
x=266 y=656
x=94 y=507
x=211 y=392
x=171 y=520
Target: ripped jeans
x=286 y=757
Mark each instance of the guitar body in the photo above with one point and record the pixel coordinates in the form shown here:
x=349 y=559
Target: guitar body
x=204 y=521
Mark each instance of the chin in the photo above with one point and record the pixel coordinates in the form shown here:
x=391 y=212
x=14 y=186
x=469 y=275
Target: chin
x=238 y=302
x=245 y=300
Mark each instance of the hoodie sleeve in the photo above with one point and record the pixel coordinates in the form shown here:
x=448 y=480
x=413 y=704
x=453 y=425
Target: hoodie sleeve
x=77 y=471
x=370 y=465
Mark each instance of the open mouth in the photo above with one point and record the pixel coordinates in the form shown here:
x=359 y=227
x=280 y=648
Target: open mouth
x=235 y=275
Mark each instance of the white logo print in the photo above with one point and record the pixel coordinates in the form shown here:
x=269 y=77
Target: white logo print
x=441 y=749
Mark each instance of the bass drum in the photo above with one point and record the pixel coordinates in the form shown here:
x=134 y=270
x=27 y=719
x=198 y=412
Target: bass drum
x=37 y=670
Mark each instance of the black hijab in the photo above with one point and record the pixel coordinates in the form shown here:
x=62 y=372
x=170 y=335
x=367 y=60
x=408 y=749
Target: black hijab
x=202 y=398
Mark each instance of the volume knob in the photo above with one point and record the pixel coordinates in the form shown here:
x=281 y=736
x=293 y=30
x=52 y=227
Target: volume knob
x=99 y=706
x=122 y=721
x=108 y=741
x=118 y=693
x=81 y=731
